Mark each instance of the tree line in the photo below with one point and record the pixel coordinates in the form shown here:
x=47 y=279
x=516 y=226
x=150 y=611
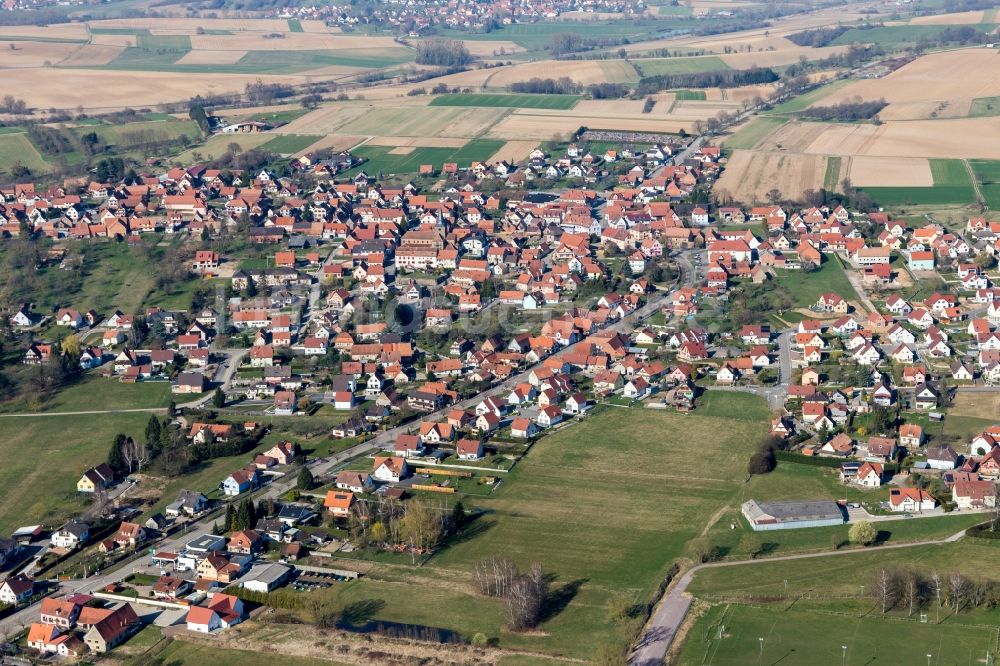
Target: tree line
x=913 y=591
x=851 y=110
x=818 y=36
x=719 y=79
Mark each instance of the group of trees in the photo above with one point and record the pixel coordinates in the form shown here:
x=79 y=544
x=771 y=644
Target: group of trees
x=243 y=517
x=12 y=105
x=561 y=86
x=818 y=36
x=912 y=591
x=443 y=53
x=762 y=461
x=259 y=92
x=127 y=455
x=524 y=594
x=850 y=110
x=417 y=525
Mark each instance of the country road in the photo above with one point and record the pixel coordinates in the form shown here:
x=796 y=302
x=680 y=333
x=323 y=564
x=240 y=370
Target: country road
x=667 y=617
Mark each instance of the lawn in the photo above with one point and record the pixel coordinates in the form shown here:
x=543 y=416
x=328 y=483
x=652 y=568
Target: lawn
x=750 y=134
x=518 y=101
x=732 y=405
x=286 y=144
x=94 y=393
x=45 y=456
x=16 y=147
x=985 y=106
x=380 y=159
x=952 y=185
x=694 y=65
x=818 y=638
x=988 y=175
x=806 y=288
x=582 y=505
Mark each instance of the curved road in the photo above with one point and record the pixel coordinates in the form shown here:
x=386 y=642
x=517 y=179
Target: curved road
x=652 y=648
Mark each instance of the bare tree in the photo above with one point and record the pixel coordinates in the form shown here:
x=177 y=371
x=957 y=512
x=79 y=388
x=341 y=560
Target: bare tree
x=959 y=588
x=885 y=589
x=936 y=587
x=495 y=575
x=912 y=590
x=135 y=454
x=523 y=604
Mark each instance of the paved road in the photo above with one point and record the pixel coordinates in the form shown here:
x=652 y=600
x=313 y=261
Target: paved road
x=652 y=648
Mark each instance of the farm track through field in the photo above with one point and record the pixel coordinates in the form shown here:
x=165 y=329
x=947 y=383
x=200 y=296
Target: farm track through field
x=975 y=180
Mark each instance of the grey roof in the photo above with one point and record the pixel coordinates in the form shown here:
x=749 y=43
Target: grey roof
x=207 y=542
x=792 y=510
x=268 y=573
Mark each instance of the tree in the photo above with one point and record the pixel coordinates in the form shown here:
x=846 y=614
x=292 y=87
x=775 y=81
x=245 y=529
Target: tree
x=863 y=533
x=305 y=479
x=116 y=456
x=153 y=431
x=761 y=462
x=219 y=398
x=71 y=345
x=911 y=591
x=494 y=575
x=230 y=518
x=959 y=588
x=251 y=288
x=885 y=589
x=750 y=545
x=701 y=548
x=525 y=600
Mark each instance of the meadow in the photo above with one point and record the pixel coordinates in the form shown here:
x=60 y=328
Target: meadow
x=694 y=65
x=751 y=133
x=952 y=185
x=806 y=288
x=897 y=35
x=581 y=504
x=286 y=144
x=523 y=101
x=988 y=176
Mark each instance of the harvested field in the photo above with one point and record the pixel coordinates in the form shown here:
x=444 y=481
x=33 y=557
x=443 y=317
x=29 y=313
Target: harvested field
x=424 y=121
x=189 y=26
x=751 y=174
x=869 y=171
x=968 y=137
x=609 y=106
x=211 y=57
x=948 y=76
x=926 y=110
x=68 y=88
x=539 y=126
x=401 y=150
x=324 y=120
x=292 y=41
x=115 y=40
x=92 y=55
x=34 y=54
x=976 y=405
x=333 y=142
x=743 y=94
x=583 y=72
x=779 y=57
x=59 y=31
x=794 y=136
x=957 y=18
x=416 y=141
x=514 y=151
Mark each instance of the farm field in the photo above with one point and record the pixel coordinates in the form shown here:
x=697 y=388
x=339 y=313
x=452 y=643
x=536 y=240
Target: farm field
x=975 y=405
x=608 y=527
x=791 y=638
x=750 y=133
x=867 y=171
x=985 y=106
x=751 y=174
x=523 y=101
x=954 y=77
x=287 y=144
x=16 y=147
x=988 y=175
x=584 y=72
x=456 y=122
x=896 y=35
x=386 y=159
x=695 y=65
x=951 y=185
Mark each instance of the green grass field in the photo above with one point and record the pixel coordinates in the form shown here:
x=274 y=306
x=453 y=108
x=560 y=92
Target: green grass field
x=295 y=25
x=693 y=65
x=831 y=179
x=45 y=456
x=600 y=521
x=536 y=36
x=219 y=144
x=379 y=159
x=984 y=106
x=287 y=144
x=818 y=637
x=94 y=392
x=751 y=134
x=988 y=175
x=182 y=653
x=952 y=185
x=515 y=101
x=690 y=95
x=806 y=288
x=16 y=147
x=801 y=102
x=163 y=54
x=897 y=35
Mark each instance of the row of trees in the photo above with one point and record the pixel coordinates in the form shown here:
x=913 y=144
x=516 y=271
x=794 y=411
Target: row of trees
x=242 y=517
x=850 y=110
x=720 y=79
x=524 y=594
x=910 y=590
x=818 y=36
